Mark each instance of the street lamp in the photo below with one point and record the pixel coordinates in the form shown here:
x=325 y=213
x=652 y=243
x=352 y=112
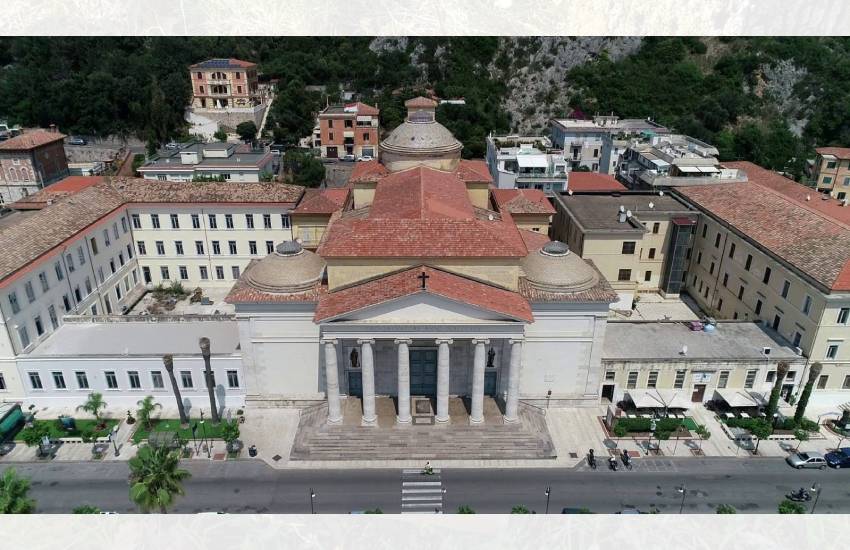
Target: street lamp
x=112 y=435
x=816 y=490
x=652 y=426
x=684 y=492
x=775 y=419
x=312 y=498
x=548 y=492
x=204 y=434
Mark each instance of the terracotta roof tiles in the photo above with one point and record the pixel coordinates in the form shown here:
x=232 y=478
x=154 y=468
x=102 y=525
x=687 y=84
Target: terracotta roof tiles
x=31 y=140
x=838 y=152
x=523 y=201
x=592 y=181
x=321 y=201
x=370 y=170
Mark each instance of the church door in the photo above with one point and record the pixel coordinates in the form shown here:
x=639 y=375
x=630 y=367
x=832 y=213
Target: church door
x=490 y=383
x=355 y=383
x=423 y=372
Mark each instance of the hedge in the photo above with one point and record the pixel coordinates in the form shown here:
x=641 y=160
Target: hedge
x=787 y=424
x=643 y=424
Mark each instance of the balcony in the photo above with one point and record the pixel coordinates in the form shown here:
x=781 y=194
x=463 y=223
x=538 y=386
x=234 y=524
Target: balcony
x=654 y=179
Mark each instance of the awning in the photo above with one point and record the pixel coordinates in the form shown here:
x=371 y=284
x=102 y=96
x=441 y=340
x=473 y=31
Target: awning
x=532 y=161
x=659 y=399
x=740 y=398
x=659 y=163
x=709 y=169
x=364 y=118
x=688 y=169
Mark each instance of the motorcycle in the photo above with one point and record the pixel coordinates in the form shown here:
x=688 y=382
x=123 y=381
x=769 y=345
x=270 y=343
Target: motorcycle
x=627 y=460
x=799 y=496
x=591 y=459
x=612 y=463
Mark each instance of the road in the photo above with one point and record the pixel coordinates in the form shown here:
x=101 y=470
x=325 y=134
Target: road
x=754 y=485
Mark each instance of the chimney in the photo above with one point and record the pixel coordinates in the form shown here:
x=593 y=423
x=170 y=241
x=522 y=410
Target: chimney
x=621 y=217
x=53 y=129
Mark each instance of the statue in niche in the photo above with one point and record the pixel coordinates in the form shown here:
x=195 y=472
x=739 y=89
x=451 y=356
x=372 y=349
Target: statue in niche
x=491 y=356
x=354 y=358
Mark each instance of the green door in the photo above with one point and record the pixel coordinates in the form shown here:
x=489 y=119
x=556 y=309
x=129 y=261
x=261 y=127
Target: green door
x=355 y=383
x=423 y=372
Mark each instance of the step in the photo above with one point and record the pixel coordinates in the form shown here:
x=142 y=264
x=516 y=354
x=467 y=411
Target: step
x=421 y=505
x=432 y=498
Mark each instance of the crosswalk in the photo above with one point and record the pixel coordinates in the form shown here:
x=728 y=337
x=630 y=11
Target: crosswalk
x=421 y=493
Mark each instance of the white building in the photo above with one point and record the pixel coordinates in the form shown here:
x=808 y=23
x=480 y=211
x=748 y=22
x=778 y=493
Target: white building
x=526 y=162
x=210 y=161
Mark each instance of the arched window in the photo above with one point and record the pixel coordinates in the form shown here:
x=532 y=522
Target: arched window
x=25 y=174
x=13 y=174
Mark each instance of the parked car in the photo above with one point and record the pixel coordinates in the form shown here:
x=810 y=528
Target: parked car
x=806 y=460
x=76 y=140
x=364 y=158
x=348 y=158
x=839 y=458
x=172 y=145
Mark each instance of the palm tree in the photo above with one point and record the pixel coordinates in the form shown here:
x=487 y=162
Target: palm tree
x=155 y=478
x=208 y=376
x=93 y=405
x=800 y=413
x=168 y=361
x=13 y=494
x=146 y=407
x=773 y=404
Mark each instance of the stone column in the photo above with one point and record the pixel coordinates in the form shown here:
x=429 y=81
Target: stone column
x=403 y=381
x=332 y=383
x=512 y=401
x=476 y=416
x=442 y=381
x=367 y=366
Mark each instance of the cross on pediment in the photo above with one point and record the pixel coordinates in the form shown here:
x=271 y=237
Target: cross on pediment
x=423 y=277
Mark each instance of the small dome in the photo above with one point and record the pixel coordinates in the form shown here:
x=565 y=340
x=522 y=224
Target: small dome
x=288 y=269
x=429 y=138
x=552 y=268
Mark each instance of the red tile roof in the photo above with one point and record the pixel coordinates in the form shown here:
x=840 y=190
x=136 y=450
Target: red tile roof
x=422 y=213
x=474 y=171
x=592 y=181
x=407 y=282
x=63 y=188
x=227 y=63
x=839 y=152
x=533 y=240
x=364 y=109
x=523 y=201
x=31 y=140
x=140 y=190
x=321 y=201
x=810 y=241
x=371 y=170
x=420 y=102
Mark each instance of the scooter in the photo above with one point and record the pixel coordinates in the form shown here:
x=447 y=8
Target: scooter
x=591 y=459
x=799 y=496
x=612 y=463
x=627 y=460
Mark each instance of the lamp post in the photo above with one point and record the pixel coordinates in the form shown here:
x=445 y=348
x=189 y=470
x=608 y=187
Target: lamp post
x=652 y=426
x=684 y=492
x=816 y=490
x=312 y=498
x=204 y=434
x=775 y=419
x=112 y=436
x=548 y=493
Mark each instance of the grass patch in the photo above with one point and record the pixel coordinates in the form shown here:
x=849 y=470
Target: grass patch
x=213 y=431
x=56 y=431
x=661 y=424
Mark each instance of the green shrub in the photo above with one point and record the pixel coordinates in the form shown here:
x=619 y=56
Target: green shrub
x=86 y=509
x=375 y=511
x=808 y=425
x=520 y=510
x=465 y=509
x=788 y=424
x=790 y=507
x=644 y=424
x=725 y=509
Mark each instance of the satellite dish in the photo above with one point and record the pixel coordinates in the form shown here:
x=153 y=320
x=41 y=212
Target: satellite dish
x=628 y=213
x=490 y=217
x=661 y=193
x=684 y=350
x=622 y=208
x=651 y=205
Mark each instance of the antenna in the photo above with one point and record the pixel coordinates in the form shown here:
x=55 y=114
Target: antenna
x=684 y=350
x=622 y=208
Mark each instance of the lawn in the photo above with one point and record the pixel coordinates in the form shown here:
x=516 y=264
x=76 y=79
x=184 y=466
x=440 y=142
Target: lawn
x=56 y=430
x=213 y=431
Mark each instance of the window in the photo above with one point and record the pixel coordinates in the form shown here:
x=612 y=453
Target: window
x=146 y=274
x=651 y=253
x=679 y=383
x=749 y=262
x=249 y=221
x=160 y=248
x=108 y=305
x=807 y=304
x=632 y=380
x=238 y=88
x=118 y=292
x=699 y=257
x=732 y=250
x=196 y=221
x=123 y=225
x=163 y=270
x=704 y=230
x=184 y=273
x=647 y=276
x=629 y=247
x=720 y=304
x=284 y=221
x=130 y=251
x=35 y=381
x=77 y=294
x=267 y=221
x=717 y=241
x=93 y=309
x=199 y=247
x=330 y=123
x=832 y=351
x=751 y=378
x=115 y=230
x=219 y=272
x=610 y=375
x=234 y=270
x=186 y=378
x=178 y=247
x=60 y=275
x=726 y=279
x=652 y=381
x=30 y=292
x=100 y=274
x=766 y=278
x=216 y=248
x=135 y=382
x=797 y=338
x=269 y=247
x=741 y=292
x=231 y=245
x=771 y=376
x=156 y=380
x=723 y=379
x=228 y=221
x=238 y=76
x=656 y=227
x=82 y=380
x=66 y=303
x=70 y=261
x=58 y=380
x=13 y=301
x=204 y=273
x=2 y=382
x=758 y=307
x=121 y=258
x=827 y=180
x=786 y=286
x=232 y=379
x=776 y=320
x=843 y=315
x=213 y=222
x=137 y=221
x=711 y=269
x=846 y=385
x=624 y=275
x=831 y=164
x=252 y=248
x=155 y=221
x=822 y=380
x=175 y=221
x=54 y=319
x=331 y=135
x=106 y=237
x=111 y=380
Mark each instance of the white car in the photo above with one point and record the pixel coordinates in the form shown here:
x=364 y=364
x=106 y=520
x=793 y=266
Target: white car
x=172 y=145
x=348 y=158
x=364 y=158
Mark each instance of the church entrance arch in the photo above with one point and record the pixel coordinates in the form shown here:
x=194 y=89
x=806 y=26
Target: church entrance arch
x=423 y=372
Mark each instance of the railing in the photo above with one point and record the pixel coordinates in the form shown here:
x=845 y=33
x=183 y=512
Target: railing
x=185 y=318
x=655 y=179
x=555 y=176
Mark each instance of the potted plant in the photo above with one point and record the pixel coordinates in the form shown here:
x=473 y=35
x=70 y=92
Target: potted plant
x=230 y=434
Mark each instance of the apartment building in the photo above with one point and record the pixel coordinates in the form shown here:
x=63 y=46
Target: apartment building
x=526 y=162
x=831 y=171
x=225 y=92
x=223 y=161
x=638 y=241
x=764 y=251
x=348 y=129
x=29 y=162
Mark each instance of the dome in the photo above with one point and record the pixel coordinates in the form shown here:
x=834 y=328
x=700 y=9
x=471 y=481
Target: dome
x=288 y=269
x=428 y=138
x=554 y=269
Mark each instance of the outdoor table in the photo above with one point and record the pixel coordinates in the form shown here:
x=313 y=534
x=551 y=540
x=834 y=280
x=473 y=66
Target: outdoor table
x=646 y=416
x=629 y=415
x=729 y=415
x=744 y=415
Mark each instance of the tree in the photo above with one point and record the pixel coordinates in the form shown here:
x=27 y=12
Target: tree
x=33 y=436
x=703 y=434
x=620 y=430
x=247 y=131
x=204 y=342
x=465 y=509
x=773 y=403
x=146 y=407
x=14 y=494
x=725 y=509
x=303 y=168
x=155 y=478
x=760 y=429
x=220 y=135
x=791 y=507
x=800 y=412
x=86 y=509
x=801 y=435
x=93 y=405
x=168 y=362
x=520 y=509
